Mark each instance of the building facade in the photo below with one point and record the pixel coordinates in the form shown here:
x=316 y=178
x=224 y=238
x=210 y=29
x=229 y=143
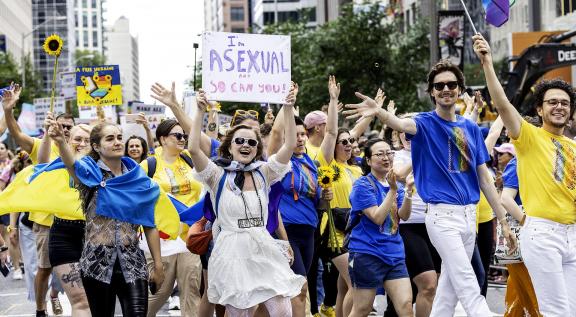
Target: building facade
x=89 y=25
x=52 y=17
x=122 y=50
x=15 y=25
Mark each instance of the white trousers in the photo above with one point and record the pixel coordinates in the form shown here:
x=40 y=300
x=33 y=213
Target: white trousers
x=452 y=230
x=549 y=253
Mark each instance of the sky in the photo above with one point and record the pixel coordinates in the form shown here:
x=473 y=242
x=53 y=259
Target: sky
x=166 y=31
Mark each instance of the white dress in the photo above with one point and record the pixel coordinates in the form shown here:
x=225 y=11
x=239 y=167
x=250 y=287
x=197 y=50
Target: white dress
x=246 y=266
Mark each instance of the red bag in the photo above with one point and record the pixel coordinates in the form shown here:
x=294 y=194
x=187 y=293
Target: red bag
x=198 y=239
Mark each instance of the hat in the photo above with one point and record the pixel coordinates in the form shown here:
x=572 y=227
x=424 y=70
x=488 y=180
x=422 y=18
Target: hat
x=315 y=118
x=506 y=148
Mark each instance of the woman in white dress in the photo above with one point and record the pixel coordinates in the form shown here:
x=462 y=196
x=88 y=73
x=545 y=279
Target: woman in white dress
x=247 y=266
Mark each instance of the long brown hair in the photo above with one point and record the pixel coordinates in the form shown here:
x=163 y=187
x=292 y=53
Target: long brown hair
x=224 y=149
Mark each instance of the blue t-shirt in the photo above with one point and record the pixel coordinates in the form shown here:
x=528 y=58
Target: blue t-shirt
x=510 y=179
x=214 y=145
x=445 y=156
x=368 y=237
x=300 y=192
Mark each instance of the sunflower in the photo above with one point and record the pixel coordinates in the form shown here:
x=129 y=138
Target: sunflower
x=53 y=45
x=326 y=176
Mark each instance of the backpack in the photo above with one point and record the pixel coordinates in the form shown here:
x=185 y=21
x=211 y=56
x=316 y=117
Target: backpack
x=152 y=162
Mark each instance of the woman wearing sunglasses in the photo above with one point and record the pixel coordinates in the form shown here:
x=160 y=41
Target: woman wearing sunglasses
x=173 y=172
x=247 y=266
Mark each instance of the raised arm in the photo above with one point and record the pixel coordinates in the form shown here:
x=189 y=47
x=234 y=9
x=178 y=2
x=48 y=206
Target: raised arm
x=3 y=126
x=368 y=107
x=494 y=134
x=46 y=143
x=168 y=97
x=199 y=157
x=149 y=137
x=362 y=125
x=276 y=135
x=57 y=134
x=329 y=142
x=378 y=214
x=285 y=153
x=510 y=116
x=9 y=100
x=406 y=210
x=213 y=122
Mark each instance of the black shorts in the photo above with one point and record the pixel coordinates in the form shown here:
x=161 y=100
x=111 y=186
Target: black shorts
x=66 y=241
x=421 y=256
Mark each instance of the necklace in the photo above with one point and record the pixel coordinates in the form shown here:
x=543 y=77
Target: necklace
x=251 y=221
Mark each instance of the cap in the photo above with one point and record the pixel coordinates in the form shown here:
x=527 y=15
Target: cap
x=315 y=118
x=506 y=148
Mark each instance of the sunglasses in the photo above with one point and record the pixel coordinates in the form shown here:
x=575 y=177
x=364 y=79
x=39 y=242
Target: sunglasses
x=179 y=136
x=242 y=141
x=251 y=114
x=346 y=141
x=67 y=127
x=451 y=85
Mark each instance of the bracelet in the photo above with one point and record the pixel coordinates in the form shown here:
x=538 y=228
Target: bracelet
x=10 y=228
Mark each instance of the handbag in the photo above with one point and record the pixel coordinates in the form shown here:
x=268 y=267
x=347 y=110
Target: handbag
x=198 y=238
x=340 y=216
x=501 y=255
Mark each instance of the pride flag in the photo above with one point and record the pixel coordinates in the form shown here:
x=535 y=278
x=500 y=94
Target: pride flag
x=497 y=11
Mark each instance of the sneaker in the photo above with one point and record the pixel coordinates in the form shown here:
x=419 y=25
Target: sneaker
x=17 y=275
x=327 y=311
x=56 y=306
x=174 y=303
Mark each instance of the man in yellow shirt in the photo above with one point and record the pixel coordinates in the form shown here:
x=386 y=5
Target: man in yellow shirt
x=315 y=123
x=547 y=180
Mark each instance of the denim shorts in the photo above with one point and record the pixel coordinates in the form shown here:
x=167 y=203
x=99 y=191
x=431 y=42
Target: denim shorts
x=369 y=271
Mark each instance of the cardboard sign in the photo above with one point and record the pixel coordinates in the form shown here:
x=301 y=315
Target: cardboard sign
x=89 y=113
x=130 y=129
x=42 y=106
x=98 y=85
x=246 y=67
x=137 y=107
x=68 y=85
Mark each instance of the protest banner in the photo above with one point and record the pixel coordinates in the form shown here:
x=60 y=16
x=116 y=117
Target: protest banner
x=246 y=67
x=42 y=106
x=26 y=120
x=98 y=85
x=68 y=85
x=189 y=102
x=137 y=107
x=130 y=129
x=89 y=113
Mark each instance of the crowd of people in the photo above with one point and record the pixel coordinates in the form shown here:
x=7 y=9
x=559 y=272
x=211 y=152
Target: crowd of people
x=304 y=215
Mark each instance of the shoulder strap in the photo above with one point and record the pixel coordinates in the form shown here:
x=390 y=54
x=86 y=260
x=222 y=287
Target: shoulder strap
x=372 y=183
x=353 y=223
x=219 y=192
x=151 y=160
x=187 y=159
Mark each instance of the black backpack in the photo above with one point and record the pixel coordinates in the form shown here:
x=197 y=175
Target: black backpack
x=152 y=163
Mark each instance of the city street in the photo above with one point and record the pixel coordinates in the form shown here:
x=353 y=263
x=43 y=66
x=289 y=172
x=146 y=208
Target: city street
x=13 y=301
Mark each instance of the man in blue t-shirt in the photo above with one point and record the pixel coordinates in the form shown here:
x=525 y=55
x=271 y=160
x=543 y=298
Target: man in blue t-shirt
x=451 y=172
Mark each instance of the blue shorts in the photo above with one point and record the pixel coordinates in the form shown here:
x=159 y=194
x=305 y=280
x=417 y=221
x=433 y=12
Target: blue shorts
x=369 y=271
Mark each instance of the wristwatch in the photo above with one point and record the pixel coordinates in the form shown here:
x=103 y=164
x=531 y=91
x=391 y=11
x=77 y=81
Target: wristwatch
x=212 y=127
x=10 y=228
x=3 y=248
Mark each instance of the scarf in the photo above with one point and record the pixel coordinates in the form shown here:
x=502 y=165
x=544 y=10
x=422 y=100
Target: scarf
x=234 y=179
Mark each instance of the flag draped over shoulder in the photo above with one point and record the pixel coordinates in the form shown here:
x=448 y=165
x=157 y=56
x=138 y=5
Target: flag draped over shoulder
x=131 y=197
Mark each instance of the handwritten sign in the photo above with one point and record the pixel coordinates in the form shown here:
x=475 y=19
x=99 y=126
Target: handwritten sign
x=246 y=67
x=98 y=85
x=89 y=113
x=68 y=85
x=130 y=129
x=42 y=105
x=137 y=107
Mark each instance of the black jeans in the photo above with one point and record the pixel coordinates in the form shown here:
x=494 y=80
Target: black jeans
x=133 y=297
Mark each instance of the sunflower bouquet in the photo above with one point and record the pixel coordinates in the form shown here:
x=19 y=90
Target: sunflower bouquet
x=327 y=175
x=53 y=47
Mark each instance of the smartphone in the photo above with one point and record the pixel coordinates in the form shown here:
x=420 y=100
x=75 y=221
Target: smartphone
x=153 y=288
x=5 y=270
x=131 y=118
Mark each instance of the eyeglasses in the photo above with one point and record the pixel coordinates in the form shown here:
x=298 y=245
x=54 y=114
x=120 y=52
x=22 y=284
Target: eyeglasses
x=179 y=136
x=555 y=102
x=346 y=141
x=451 y=85
x=242 y=141
x=381 y=155
x=244 y=114
x=67 y=126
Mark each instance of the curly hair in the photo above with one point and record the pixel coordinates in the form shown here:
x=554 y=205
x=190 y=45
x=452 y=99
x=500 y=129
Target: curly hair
x=542 y=87
x=444 y=65
x=224 y=149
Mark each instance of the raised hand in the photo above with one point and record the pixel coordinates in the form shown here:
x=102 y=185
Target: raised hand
x=367 y=108
x=291 y=98
x=333 y=88
x=48 y=120
x=380 y=97
x=56 y=132
x=269 y=117
x=165 y=96
x=11 y=96
x=142 y=120
x=391 y=179
x=202 y=101
x=482 y=49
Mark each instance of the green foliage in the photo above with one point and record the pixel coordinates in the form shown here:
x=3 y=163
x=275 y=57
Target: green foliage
x=89 y=58
x=10 y=71
x=365 y=52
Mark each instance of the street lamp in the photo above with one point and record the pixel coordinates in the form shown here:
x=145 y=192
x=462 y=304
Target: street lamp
x=24 y=36
x=195 y=48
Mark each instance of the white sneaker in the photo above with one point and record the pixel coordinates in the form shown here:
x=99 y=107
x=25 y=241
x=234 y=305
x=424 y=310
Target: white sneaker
x=17 y=275
x=174 y=303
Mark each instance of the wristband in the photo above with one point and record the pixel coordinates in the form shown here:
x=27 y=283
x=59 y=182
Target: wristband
x=11 y=228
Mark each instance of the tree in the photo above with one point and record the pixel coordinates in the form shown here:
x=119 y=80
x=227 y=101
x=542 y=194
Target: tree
x=89 y=58
x=11 y=72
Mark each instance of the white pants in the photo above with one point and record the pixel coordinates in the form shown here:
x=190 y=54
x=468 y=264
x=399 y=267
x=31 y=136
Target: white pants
x=452 y=230
x=549 y=252
x=29 y=257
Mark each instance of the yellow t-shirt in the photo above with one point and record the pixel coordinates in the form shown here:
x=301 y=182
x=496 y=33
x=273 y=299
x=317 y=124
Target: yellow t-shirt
x=312 y=150
x=176 y=179
x=341 y=188
x=40 y=217
x=483 y=210
x=546 y=174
